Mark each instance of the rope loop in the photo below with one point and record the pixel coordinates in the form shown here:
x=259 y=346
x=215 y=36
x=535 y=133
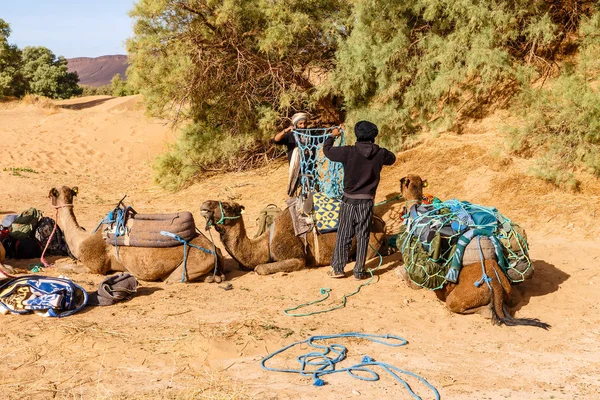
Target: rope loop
x=323 y=359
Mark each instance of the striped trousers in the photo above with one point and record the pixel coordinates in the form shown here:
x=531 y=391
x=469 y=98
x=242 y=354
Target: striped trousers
x=355 y=219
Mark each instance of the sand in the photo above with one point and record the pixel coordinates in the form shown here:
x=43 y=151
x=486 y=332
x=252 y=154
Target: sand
x=199 y=341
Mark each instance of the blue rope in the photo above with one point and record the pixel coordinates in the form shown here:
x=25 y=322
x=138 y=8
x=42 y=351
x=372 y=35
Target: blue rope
x=119 y=220
x=186 y=244
x=484 y=277
x=460 y=222
x=223 y=217
x=324 y=362
x=325 y=293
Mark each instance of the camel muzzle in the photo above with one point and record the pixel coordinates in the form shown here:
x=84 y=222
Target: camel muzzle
x=209 y=217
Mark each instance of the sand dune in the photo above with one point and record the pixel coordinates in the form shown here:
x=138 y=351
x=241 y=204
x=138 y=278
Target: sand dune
x=189 y=341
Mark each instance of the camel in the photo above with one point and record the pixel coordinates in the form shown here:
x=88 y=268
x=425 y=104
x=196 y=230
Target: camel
x=284 y=251
x=145 y=263
x=465 y=297
x=5 y=269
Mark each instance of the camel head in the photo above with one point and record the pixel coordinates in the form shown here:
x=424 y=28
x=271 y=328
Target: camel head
x=63 y=195
x=411 y=187
x=220 y=214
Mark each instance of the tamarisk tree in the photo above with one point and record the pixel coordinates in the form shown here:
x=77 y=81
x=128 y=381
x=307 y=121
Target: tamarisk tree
x=233 y=68
x=229 y=62
x=438 y=63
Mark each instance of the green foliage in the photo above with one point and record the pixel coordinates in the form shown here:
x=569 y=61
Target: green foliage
x=119 y=87
x=220 y=61
x=234 y=67
x=34 y=70
x=11 y=79
x=239 y=68
x=202 y=150
x=438 y=63
x=48 y=75
x=105 y=90
x=562 y=118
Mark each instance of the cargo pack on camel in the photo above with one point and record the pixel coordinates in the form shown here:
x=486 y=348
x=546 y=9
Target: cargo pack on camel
x=442 y=236
x=123 y=226
x=467 y=253
x=194 y=258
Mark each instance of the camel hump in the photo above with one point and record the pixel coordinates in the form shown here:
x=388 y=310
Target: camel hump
x=143 y=230
x=476 y=249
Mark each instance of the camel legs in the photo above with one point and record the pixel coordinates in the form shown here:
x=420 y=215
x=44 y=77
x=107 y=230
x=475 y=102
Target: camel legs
x=193 y=274
x=465 y=297
x=464 y=300
x=293 y=264
x=377 y=238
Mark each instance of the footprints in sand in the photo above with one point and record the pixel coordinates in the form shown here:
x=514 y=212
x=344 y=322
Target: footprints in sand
x=94 y=143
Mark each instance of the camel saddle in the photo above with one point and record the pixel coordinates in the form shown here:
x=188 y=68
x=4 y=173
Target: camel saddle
x=144 y=230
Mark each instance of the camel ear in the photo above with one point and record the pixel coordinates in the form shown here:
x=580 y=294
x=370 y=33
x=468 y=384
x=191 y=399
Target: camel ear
x=402 y=181
x=53 y=193
x=74 y=190
x=241 y=209
x=425 y=184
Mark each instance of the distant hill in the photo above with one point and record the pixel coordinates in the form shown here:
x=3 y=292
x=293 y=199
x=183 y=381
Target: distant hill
x=98 y=71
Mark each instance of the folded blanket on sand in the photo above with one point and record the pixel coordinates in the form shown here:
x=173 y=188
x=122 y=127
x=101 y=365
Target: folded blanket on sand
x=119 y=287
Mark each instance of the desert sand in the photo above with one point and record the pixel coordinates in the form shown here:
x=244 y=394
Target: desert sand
x=183 y=341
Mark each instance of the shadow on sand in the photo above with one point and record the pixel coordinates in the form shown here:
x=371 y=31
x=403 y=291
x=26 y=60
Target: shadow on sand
x=546 y=279
x=232 y=269
x=389 y=263
x=141 y=291
x=87 y=104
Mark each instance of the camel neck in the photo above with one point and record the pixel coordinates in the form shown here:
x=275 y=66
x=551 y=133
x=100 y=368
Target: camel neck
x=74 y=234
x=246 y=251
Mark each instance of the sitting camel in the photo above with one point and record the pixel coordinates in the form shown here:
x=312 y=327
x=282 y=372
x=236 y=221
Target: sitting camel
x=465 y=297
x=4 y=268
x=281 y=250
x=145 y=263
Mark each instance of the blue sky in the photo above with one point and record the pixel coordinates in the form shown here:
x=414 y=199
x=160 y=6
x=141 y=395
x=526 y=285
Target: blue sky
x=70 y=28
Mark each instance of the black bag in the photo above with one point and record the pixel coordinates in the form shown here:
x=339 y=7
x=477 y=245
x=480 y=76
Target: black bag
x=28 y=248
x=10 y=245
x=58 y=245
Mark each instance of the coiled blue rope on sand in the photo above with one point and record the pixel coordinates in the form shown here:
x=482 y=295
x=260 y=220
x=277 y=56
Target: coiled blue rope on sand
x=323 y=362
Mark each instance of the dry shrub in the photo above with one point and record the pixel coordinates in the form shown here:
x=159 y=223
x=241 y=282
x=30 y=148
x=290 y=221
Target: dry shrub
x=40 y=102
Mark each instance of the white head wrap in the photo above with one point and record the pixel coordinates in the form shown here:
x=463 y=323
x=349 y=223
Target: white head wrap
x=299 y=117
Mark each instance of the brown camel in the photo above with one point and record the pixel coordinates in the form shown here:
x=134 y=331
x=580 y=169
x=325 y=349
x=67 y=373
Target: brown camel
x=4 y=268
x=465 y=297
x=284 y=252
x=145 y=263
